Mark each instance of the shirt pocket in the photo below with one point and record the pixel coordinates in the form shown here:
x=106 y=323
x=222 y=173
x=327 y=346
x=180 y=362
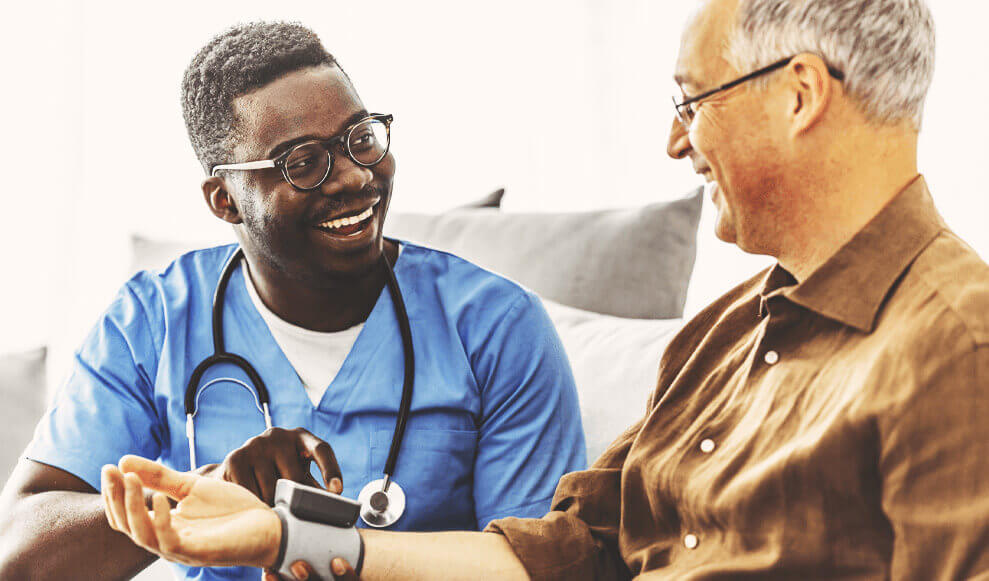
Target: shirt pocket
x=435 y=469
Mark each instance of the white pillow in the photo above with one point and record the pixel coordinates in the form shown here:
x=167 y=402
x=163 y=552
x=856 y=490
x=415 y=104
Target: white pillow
x=615 y=364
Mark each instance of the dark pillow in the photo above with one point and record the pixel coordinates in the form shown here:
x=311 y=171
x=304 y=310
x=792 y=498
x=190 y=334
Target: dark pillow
x=492 y=200
x=22 y=387
x=628 y=263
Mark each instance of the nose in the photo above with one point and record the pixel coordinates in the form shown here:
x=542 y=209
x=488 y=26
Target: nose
x=678 y=145
x=346 y=176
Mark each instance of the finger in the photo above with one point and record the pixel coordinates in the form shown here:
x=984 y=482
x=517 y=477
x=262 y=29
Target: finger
x=137 y=513
x=335 y=486
x=342 y=571
x=168 y=539
x=303 y=571
x=270 y=575
x=240 y=472
x=105 y=493
x=266 y=477
x=114 y=498
x=294 y=468
x=159 y=477
x=322 y=453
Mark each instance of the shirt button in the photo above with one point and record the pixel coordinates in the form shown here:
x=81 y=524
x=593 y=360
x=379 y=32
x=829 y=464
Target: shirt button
x=707 y=445
x=771 y=357
x=691 y=541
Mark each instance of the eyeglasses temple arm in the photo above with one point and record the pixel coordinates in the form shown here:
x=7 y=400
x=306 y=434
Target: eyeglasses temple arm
x=247 y=165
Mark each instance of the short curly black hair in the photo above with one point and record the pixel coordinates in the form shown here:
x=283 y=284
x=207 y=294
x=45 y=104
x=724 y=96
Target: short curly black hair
x=237 y=61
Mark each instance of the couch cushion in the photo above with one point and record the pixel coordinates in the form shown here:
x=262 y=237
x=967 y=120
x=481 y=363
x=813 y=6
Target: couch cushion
x=615 y=364
x=629 y=263
x=22 y=389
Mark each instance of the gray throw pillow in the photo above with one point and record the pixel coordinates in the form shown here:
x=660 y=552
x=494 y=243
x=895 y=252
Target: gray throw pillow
x=632 y=263
x=22 y=389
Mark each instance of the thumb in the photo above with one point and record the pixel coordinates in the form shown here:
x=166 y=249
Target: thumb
x=159 y=477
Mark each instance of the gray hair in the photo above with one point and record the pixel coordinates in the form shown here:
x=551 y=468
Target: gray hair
x=885 y=48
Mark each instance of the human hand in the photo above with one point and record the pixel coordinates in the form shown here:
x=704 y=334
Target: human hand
x=279 y=453
x=303 y=571
x=215 y=523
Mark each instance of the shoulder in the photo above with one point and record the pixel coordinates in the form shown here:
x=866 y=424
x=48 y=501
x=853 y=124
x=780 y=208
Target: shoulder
x=188 y=280
x=930 y=351
x=941 y=302
x=947 y=288
x=931 y=335
x=462 y=286
x=189 y=271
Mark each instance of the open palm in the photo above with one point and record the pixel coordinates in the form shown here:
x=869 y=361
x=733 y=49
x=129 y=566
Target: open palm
x=215 y=523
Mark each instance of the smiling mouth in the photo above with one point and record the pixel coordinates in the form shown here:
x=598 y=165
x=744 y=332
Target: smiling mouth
x=352 y=225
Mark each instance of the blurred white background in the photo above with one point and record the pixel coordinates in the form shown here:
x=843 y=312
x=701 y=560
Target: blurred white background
x=564 y=103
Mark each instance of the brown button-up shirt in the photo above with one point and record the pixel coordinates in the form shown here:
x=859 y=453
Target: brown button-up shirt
x=835 y=428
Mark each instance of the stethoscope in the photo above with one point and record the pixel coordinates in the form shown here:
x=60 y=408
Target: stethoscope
x=382 y=500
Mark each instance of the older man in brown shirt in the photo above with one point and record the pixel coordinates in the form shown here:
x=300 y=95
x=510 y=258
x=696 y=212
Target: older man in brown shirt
x=833 y=427
x=825 y=419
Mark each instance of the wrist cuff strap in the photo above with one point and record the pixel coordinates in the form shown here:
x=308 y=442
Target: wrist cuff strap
x=282 y=542
x=317 y=544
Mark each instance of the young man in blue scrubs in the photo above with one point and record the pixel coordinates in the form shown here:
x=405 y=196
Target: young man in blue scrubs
x=494 y=418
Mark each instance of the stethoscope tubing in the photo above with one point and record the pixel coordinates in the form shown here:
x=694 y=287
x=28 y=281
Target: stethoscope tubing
x=405 y=407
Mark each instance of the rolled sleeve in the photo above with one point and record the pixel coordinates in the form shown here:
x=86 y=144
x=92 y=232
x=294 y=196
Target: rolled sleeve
x=578 y=539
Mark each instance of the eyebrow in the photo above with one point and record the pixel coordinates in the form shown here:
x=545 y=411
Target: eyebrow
x=283 y=146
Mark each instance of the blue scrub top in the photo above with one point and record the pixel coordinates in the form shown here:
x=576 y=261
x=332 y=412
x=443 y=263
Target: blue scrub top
x=494 y=423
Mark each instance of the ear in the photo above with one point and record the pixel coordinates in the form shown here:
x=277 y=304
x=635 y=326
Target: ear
x=219 y=200
x=812 y=88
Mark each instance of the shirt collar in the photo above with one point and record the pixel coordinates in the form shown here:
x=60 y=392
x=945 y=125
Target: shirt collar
x=850 y=287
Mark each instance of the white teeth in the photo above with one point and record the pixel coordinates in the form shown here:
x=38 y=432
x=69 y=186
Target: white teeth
x=341 y=222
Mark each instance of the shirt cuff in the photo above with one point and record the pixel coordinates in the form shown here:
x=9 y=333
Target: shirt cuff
x=557 y=546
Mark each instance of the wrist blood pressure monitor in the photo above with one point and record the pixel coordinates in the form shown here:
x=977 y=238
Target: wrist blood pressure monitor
x=317 y=527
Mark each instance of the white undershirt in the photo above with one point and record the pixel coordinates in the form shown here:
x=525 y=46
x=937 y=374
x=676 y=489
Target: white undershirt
x=316 y=356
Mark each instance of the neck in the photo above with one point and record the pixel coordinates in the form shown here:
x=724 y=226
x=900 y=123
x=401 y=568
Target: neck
x=839 y=190
x=331 y=307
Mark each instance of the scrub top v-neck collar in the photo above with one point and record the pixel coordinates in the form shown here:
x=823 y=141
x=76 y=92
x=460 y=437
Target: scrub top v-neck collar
x=257 y=344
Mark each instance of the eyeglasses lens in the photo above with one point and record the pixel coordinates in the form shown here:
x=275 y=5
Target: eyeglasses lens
x=368 y=142
x=307 y=165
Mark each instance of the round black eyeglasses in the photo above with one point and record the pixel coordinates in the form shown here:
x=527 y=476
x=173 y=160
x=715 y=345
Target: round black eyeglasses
x=305 y=166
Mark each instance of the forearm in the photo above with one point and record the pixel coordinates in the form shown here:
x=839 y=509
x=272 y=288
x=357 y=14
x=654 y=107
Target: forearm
x=64 y=535
x=447 y=556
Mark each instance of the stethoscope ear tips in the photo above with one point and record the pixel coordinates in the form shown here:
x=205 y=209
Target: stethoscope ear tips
x=381 y=507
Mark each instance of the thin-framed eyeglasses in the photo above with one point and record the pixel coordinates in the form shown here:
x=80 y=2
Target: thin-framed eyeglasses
x=305 y=166
x=686 y=109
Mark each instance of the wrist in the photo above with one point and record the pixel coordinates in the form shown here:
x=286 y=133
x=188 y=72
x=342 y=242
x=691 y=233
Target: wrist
x=273 y=543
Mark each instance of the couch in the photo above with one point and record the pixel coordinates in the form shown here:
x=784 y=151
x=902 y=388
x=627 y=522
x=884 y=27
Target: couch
x=613 y=282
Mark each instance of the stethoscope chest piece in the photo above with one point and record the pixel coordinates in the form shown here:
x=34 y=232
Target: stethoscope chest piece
x=382 y=503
